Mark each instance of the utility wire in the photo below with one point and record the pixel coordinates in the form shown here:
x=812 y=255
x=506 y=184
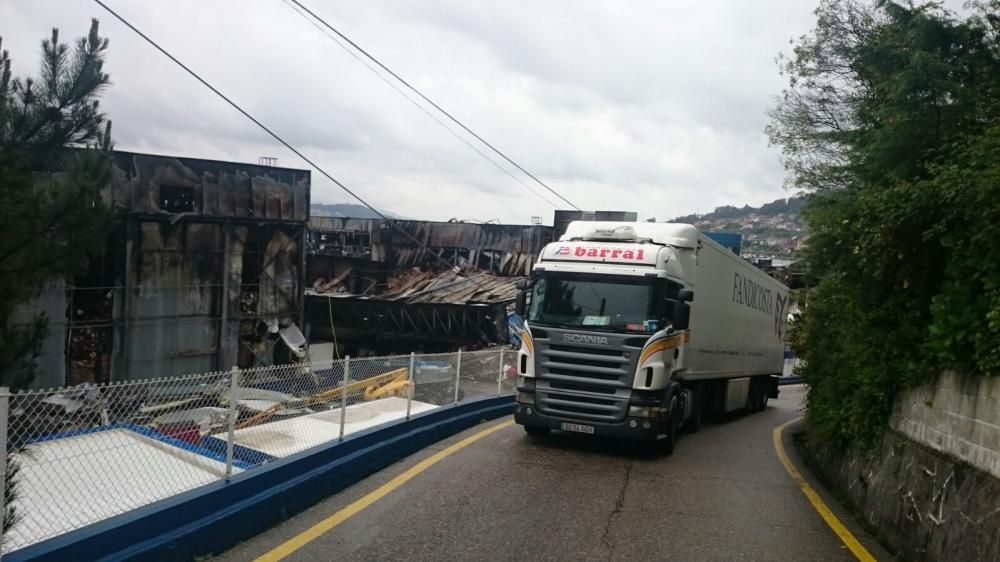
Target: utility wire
x=276 y=137
x=428 y=100
x=415 y=104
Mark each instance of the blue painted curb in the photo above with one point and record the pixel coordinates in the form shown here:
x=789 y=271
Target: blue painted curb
x=790 y=380
x=214 y=517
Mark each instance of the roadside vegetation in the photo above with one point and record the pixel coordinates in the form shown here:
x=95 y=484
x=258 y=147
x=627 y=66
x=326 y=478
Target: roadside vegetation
x=891 y=124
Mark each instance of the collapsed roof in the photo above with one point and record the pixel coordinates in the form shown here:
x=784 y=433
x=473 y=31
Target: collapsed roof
x=415 y=286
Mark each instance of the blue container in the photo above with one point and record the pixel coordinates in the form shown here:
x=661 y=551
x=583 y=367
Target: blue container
x=731 y=240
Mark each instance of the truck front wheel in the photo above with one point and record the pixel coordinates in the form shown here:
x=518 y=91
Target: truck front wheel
x=693 y=424
x=667 y=444
x=536 y=431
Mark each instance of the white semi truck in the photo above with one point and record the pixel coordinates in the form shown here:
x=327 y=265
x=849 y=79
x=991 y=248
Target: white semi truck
x=634 y=330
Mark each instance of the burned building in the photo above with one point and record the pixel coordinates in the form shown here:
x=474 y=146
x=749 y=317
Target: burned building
x=395 y=286
x=203 y=271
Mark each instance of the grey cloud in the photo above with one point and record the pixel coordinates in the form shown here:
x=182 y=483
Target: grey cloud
x=645 y=105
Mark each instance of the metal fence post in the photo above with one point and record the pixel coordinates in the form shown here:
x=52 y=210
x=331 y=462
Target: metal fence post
x=4 y=416
x=458 y=373
x=500 y=374
x=343 y=396
x=409 y=385
x=234 y=377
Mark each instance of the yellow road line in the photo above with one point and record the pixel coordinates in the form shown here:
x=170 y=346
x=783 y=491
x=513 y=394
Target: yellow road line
x=317 y=530
x=856 y=548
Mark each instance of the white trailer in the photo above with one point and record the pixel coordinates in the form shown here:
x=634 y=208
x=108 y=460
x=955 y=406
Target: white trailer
x=634 y=329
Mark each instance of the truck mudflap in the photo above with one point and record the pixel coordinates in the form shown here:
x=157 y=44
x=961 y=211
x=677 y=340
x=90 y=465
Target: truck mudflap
x=636 y=429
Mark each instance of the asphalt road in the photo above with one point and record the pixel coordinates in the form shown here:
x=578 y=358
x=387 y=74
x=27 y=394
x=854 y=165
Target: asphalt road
x=723 y=495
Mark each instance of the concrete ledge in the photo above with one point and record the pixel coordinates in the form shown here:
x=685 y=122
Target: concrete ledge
x=212 y=518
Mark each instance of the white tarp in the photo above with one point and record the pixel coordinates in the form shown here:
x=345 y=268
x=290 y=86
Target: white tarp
x=71 y=482
x=287 y=437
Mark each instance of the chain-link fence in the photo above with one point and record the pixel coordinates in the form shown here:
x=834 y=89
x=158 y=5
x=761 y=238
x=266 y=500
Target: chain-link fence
x=86 y=453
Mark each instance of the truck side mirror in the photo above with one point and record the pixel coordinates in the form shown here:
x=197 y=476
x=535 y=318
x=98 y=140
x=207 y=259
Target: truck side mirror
x=682 y=315
x=521 y=284
x=685 y=295
x=521 y=303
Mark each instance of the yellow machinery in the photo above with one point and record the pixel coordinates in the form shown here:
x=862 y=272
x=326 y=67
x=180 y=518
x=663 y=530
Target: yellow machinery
x=393 y=383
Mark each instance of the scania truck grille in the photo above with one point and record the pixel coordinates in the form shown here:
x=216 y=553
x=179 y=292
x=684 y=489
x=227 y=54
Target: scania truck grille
x=584 y=382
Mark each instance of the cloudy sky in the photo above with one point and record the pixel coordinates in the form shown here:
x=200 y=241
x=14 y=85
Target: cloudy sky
x=652 y=106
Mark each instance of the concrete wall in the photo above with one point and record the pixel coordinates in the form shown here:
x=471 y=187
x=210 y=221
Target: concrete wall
x=930 y=491
x=958 y=415
x=922 y=504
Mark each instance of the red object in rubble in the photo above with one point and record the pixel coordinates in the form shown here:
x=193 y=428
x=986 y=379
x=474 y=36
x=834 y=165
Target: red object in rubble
x=186 y=433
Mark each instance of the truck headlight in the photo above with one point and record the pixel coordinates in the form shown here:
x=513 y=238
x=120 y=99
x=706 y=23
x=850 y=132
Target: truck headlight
x=525 y=391
x=647 y=411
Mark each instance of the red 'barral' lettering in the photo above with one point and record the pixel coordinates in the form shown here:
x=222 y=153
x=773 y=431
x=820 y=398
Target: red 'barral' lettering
x=637 y=254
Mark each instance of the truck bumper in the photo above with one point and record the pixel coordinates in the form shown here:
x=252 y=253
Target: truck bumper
x=637 y=429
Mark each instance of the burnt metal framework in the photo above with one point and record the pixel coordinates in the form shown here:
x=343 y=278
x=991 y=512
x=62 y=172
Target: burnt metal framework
x=508 y=250
x=390 y=327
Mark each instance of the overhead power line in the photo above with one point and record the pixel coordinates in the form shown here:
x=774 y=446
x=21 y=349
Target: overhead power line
x=423 y=109
x=431 y=102
x=275 y=136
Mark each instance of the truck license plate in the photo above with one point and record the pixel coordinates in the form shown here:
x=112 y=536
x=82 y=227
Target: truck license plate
x=577 y=428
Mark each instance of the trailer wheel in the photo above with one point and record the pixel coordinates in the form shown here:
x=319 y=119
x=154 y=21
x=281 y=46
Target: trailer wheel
x=755 y=403
x=762 y=391
x=536 y=431
x=752 y=403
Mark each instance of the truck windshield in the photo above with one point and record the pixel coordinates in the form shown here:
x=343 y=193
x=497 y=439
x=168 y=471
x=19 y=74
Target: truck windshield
x=621 y=303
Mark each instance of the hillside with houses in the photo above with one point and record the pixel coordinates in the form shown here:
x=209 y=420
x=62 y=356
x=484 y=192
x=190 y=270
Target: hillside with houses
x=774 y=229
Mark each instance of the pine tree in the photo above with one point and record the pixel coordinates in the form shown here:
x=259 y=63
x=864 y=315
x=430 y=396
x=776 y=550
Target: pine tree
x=55 y=160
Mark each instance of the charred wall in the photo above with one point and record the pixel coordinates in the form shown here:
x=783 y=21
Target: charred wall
x=204 y=255
x=165 y=185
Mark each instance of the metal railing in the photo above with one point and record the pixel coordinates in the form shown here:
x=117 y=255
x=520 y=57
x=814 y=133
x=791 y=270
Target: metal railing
x=86 y=453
